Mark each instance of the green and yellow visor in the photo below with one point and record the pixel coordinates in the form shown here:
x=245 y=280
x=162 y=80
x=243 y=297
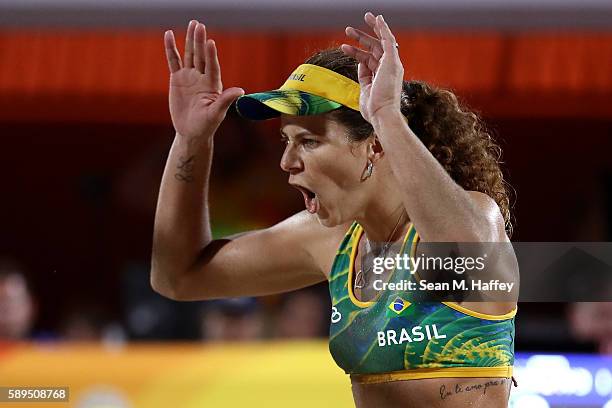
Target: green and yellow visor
x=309 y=90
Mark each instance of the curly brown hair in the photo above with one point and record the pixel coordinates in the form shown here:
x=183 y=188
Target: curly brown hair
x=455 y=136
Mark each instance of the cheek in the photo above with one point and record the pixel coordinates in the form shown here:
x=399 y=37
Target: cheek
x=340 y=170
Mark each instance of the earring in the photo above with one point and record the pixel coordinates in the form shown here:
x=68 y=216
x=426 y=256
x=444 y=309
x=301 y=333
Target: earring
x=368 y=171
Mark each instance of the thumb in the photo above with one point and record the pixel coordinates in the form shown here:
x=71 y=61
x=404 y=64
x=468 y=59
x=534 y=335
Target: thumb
x=226 y=98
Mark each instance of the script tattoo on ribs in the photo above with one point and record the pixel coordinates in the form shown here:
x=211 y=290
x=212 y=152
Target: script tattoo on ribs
x=482 y=388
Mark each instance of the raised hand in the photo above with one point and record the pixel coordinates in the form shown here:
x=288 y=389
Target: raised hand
x=198 y=103
x=380 y=69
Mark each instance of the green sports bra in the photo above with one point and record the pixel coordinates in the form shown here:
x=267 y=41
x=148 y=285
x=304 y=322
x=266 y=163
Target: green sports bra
x=393 y=339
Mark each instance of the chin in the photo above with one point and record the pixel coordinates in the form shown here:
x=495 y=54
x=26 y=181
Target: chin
x=327 y=220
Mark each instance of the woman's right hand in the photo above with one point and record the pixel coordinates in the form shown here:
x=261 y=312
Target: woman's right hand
x=198 y=103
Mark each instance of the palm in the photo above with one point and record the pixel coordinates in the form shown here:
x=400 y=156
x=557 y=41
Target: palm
x=197 y=101
x=379 y=93
x=190 y=101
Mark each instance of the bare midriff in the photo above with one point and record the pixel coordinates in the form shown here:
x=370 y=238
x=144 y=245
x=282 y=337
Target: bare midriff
x=434 y=393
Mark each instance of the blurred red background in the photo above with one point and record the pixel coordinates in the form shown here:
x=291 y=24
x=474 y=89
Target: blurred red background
x=86 y=130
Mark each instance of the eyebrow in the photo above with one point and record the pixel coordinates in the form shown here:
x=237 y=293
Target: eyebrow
x=300 y=134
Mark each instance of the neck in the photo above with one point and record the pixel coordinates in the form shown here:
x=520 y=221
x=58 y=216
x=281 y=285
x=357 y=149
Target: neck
x=382 y=213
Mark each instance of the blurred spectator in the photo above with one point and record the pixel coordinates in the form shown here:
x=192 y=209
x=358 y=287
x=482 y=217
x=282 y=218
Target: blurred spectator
x=80 y=327
x=592 y=321
x=150 y=316
x=303 y=315
x=238 y=319
x=89 y=322
x=17 y=310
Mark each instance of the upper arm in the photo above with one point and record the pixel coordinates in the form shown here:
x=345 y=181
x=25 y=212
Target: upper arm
x=272 y=260
x=494 y=249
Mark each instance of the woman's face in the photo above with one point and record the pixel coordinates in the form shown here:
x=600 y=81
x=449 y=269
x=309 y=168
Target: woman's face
x=325 y=166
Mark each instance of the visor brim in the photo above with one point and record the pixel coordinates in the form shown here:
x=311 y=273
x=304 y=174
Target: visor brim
x=267 y=105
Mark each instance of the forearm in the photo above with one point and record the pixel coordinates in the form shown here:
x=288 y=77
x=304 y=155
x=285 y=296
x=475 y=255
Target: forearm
x=182 y=224
x=440 y=209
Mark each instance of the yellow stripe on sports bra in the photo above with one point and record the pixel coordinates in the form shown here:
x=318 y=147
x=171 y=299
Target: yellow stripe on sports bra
x=479 y=315
x=423 y=373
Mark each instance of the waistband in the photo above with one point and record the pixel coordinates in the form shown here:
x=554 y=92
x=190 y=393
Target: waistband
x=446 y=372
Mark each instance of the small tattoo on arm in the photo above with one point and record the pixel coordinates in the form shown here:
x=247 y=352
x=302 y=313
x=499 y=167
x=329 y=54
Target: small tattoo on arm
x=185 y=169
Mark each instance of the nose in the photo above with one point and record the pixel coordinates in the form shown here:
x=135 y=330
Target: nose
x=291 y=162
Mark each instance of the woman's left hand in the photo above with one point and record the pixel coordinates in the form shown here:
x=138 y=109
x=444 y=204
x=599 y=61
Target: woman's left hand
x=380 y=69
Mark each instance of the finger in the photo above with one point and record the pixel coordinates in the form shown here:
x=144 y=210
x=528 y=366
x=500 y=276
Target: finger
x=188 y=56
x=199 y=47
x=364 y=74
x=226 y=98
x=369 y=42
x=172 y=54
x=362 y=56
x=388 y=39
x=370 y=20
x=213 y=70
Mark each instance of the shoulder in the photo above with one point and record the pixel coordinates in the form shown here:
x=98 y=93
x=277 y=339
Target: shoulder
x=489 y=210
x=305 y=224
x=485 y=203
x=303 y=231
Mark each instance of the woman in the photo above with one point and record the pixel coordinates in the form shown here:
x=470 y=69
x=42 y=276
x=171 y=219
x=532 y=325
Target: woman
x=353 y=149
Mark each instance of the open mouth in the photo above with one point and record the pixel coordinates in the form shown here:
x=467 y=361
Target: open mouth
x=310 y=199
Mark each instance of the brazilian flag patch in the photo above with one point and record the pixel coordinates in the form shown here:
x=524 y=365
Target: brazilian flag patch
x=398 y=307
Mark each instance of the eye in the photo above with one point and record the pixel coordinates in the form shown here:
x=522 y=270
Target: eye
x=310 y=143
x=284 y=139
